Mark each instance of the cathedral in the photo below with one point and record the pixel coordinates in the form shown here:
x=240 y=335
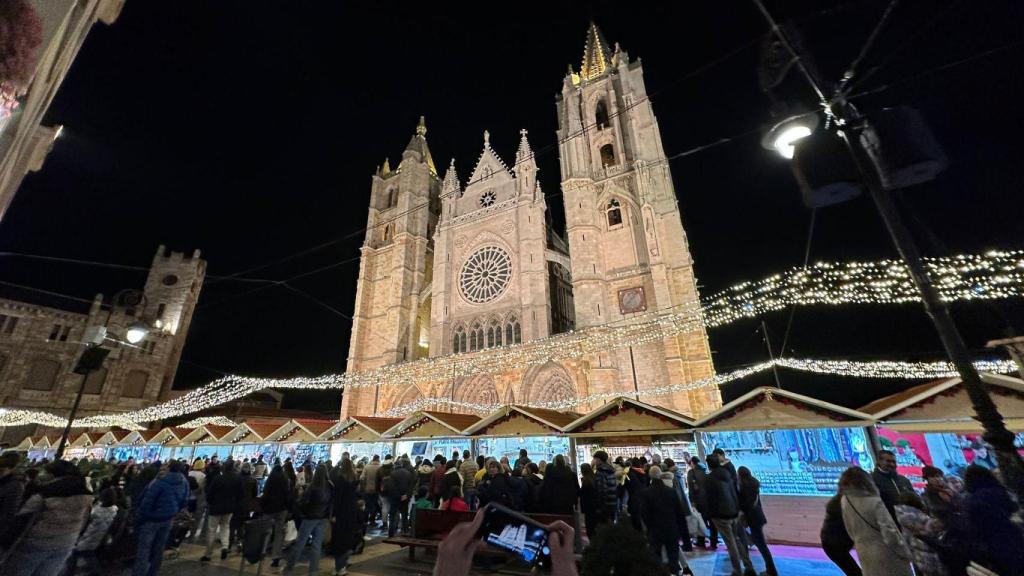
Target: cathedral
x=461 y=267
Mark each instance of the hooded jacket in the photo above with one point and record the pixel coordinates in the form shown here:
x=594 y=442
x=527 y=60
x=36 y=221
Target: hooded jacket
x=368 y=481
x=163 y=498
x=606 y=484
x=224 y=494
x=424 y=473
x=721 y=498
x=100 y=520
x=61 y=508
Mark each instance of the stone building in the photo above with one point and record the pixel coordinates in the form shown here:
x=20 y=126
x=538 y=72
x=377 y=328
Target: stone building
x=24 y=141
x=452 y=268
x=39 y=346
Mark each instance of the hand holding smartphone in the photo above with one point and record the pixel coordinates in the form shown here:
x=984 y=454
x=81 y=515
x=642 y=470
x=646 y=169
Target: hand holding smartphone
x=509 y=530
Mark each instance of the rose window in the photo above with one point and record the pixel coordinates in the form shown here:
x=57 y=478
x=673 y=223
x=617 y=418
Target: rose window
x=487 y=198
x=485 y=275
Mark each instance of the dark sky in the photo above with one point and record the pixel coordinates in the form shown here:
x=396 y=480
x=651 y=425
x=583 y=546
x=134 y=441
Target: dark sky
x=250 y=130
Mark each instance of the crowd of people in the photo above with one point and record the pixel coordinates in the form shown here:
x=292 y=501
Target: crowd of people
x=61 y=517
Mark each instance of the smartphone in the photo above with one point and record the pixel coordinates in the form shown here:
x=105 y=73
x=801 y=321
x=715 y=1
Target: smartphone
x=507 y=529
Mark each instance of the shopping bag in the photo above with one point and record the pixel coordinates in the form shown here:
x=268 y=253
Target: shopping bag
x=290 y=532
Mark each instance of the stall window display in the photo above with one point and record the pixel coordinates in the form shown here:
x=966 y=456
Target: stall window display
x=431 y=448
x=254 y=451
x=539 y=447
x=950 y=452
x=677 y=451
x=300 y=452
x=208 y=451
x=359 y=450
x=799 y=462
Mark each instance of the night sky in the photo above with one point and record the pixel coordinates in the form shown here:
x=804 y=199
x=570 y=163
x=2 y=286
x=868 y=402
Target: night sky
x=250 y=130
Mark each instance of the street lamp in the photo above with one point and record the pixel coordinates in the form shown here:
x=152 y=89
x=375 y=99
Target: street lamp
x=783 y=136
x=136 y=332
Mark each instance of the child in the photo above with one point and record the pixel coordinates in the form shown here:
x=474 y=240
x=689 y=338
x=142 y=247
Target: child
x=422 y=499
x=100 y=519
x=455 y=503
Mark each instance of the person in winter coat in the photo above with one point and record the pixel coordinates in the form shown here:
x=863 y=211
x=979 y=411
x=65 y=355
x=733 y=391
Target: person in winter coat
x=140 y=481
x=606 y=487
x=12 y=487
x=522 y=461
x=100 y=519
x=259 y=473
x=590 y=499
x=560 y=490
x=248 y=503
x=401 y=484
x=534 y=481
x=276 y=503
x=383 y=486
x=919 y=531
x=314 y=507
x=424 y=472
x=889 y=482
x=452 y=479
x=987 y=532
x=663 y=514
x=835 y=542
x=696 y=478
x=437 y=484
x=519 y=490
x=161 y=502
x=722 y=501
x=494 y=487
x=669 y=481
x=940 y=500
x=455 y=502
x=750 y=505
x=368 y=487
x=468 y=469
x=224 y=496
x=879 y=544
x=60 y=509
x=343 y=515
x=636 y=481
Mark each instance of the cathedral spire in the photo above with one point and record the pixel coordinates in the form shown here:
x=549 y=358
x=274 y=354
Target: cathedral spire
x=451 y=187
x=417 y=147
x=597 y=54
x=524 y=156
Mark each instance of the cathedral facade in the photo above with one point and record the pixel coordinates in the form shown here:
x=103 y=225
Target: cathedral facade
x=452 y=267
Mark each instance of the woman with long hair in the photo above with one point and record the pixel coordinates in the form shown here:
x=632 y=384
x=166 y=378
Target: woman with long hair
x=276 y=502
x=343 y=506
x=590 y=499
x=750 y=505
x=314 y=508
x=879 y=543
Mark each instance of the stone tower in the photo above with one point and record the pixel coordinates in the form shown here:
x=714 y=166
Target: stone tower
x=628 y=247
x=391 y=322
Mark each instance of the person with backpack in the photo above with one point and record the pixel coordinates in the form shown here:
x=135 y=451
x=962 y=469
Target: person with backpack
x=161 y=501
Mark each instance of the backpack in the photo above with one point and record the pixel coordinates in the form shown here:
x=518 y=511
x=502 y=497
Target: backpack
x=193 y=485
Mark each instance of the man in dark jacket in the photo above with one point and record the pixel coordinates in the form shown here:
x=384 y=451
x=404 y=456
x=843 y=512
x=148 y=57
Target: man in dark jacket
x=400 y=487
x=437 y=480
x=223 y=499
x=636 y=481
x=161 y=502
x=606 y=485
x=665 y=518
x=696 y=478
x=722 y=501
x=494 y=487
x=560 y=489
x=890 y=484
x=275 y=503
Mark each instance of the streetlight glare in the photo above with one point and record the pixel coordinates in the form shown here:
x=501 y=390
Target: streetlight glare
x=783 y=143
x=135 y=333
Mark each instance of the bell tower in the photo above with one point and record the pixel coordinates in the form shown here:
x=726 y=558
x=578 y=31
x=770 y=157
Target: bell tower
x=391 y=322
x=628 y=249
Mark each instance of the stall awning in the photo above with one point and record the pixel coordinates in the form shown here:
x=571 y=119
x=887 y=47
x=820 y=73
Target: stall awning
x=26 y=444
x=943 y=406
x=295 y=431
x=140 y=437
x=316 y=427
x=427 y=424
x=624 y=416
x=359 y=429
x=208 y=433
x=515 y=420
x=170 y=436
x=770 y=408
x=86 y=439
x=114 y=437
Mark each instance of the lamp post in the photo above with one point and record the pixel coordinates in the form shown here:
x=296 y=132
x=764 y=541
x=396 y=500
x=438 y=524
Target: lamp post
x=857 y=132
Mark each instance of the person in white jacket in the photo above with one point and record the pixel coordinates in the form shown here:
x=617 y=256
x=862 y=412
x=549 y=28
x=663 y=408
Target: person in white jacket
x=878 y=541
x=101 y=518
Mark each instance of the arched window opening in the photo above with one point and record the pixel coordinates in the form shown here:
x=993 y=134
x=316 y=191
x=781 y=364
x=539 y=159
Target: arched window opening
x=459 y=340
x=601 y=115
x=513 y=333
x=392 y=198
x=614 y=210
x=389 y=233
x=608 y=156
x=476 y=339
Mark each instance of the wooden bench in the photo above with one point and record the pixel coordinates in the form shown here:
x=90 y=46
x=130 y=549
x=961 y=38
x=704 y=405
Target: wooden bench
x=430 y=526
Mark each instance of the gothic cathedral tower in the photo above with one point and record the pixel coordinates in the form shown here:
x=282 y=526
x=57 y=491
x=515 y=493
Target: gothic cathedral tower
x=629 y=252
x=391 y=322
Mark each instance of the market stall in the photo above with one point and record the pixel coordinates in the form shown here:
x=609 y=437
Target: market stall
x=114 y=442
x=508 y=429
x=629 y=428
x=85 y=446
x=249 y=440
x=169 y=440
x=427 y=433
x=796 y=446
x=360 y=436
x=299 y=441
x=206 y=442
x=932 y=424
x=148 y=450
x=43 y=447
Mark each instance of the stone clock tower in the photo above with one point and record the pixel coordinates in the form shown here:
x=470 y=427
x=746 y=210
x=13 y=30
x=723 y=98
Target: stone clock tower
x=626 y=239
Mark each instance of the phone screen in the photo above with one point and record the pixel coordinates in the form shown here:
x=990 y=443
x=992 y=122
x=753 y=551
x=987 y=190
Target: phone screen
x=507 y=529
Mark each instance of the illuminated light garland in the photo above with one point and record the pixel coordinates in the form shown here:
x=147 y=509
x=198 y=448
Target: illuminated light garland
x=995 y=274
x=208 y=420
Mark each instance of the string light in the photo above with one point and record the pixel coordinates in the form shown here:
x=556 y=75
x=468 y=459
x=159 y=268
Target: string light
x=207 y=421
x=995 y=274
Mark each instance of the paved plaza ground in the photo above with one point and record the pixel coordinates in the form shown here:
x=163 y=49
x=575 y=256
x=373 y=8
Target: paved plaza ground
x=386 y=560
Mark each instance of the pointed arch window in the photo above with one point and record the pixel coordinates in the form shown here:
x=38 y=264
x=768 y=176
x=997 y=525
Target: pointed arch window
x=513 y=332
x=494 y=330
x=614 y=213
x=608 y=156
x=392 y=198
x=389 y=233
x=476 y=338
x=601 y=115
x=459 y=339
